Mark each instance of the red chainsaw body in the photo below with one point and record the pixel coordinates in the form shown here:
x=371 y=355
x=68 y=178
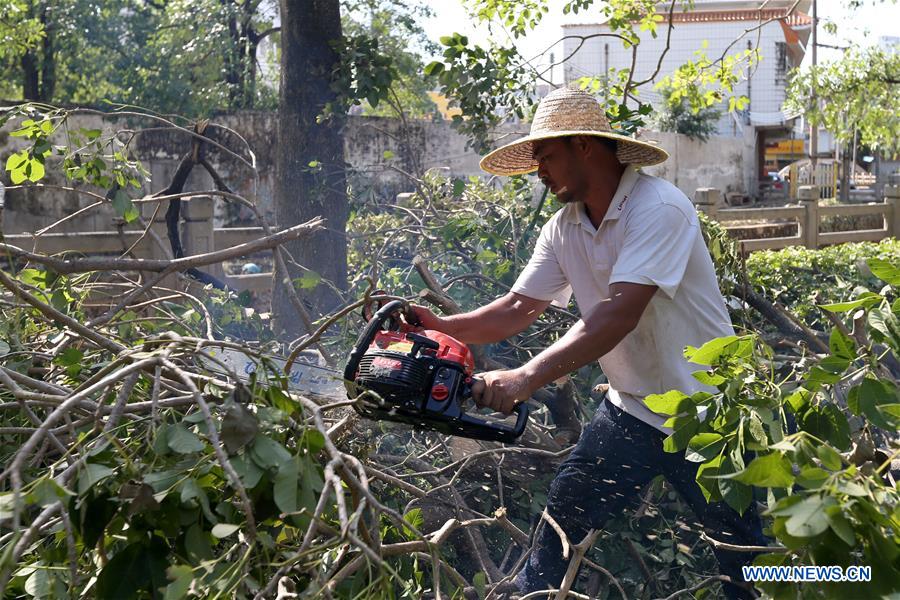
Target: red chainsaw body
x=450 y=349
x=419 y=376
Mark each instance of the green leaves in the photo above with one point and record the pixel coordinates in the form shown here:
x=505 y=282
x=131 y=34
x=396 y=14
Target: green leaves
x=92 y=474
x=698 y=123
x=124 y=207
x=827 y=422
x=267 y=453
x=223 y=530
x=840 y=524
x=31 y=129
x=297 y=484
x=864 y=300
x=841 y=345
x=828 y=371
x=363 y=73
x=135 y=571
x=486 y=83
x=806 y=517
x=714 y=350
x=286 y=486
x=48 y=491
x=706 y=445
x=707 y=478
x=703 y=83
x=859 y=99
x=670 y=403
x=434 y=68
x=885 y=327
x=870 y=396
x=181 y=576
x=182 y=440
x=87 y=156
x=885 y=270
x=239 y=427
x=771 y=470
x=684 y=429
x=23 y=166
x=310 y=280
x=835 y=504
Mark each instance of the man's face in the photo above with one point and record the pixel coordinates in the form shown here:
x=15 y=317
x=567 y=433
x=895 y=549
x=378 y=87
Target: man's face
x=561 y=168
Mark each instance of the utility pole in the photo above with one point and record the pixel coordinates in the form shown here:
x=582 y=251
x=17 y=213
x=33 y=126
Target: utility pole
x=814 y=127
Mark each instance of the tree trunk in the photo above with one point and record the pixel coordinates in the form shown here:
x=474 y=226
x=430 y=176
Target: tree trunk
x=39 y=67
x=846 y=167
x=48 y=65
x=31 y=80
x=240 y=54
x=248 y=57
x=233 y=63
x=302 y=191
x=30 y=77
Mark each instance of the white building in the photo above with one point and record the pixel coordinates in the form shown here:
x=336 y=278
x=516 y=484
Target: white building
x=890 y=43
x=779 y=28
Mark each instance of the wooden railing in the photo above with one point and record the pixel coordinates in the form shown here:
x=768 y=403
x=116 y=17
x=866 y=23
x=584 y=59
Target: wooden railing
x=808 y=215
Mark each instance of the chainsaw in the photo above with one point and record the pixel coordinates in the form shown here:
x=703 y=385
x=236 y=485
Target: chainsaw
x=422 y=378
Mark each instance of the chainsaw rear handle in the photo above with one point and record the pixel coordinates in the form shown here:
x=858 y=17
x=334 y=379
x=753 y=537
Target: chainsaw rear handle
x=521 y=409
x=368 y=334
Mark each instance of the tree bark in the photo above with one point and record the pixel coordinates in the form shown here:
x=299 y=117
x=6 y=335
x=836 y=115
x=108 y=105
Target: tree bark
x=39 y=67
x=846 y=167
x=240 y=54
x=48 y=66
x=30 y=77
x=302 y=191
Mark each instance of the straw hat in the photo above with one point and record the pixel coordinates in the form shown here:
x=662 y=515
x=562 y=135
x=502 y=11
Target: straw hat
x=562 y=113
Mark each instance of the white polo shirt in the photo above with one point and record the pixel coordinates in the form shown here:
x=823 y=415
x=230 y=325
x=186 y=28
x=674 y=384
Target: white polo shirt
x=650 y=235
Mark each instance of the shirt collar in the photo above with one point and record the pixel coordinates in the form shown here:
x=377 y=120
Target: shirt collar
x=577 y=213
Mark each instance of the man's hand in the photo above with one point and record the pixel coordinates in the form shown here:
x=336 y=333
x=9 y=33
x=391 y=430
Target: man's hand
x=427 y=319
x=501 y=390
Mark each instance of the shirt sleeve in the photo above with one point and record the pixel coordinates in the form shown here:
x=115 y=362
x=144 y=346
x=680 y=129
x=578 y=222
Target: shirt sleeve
x=657 y=247
x=543 y=278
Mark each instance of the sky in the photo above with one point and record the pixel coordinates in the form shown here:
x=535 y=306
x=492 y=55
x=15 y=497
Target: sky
x=861 y=26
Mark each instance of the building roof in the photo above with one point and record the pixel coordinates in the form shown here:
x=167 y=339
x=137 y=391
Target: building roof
x=705 y=16
x=795 y=19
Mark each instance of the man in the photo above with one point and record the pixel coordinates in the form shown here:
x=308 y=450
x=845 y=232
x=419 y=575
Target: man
x=629 y=247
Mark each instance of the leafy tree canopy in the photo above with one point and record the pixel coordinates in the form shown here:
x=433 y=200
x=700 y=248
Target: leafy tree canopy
x=857 y=92
x=677 y=116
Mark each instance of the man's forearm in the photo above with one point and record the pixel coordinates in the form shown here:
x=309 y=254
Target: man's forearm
x=581 y=345
x=597 y=333
x=494 y=322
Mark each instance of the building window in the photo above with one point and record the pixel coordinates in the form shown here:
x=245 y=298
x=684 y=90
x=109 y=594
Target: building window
x=780 y=64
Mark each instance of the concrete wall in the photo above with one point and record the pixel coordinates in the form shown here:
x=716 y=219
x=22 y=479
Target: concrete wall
x=721 y=162
x=416 y=147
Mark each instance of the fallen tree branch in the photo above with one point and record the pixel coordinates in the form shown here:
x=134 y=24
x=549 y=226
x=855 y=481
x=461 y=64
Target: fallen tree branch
x=85 y=265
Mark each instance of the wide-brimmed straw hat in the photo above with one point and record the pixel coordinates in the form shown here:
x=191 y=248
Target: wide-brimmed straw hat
x=562 y=113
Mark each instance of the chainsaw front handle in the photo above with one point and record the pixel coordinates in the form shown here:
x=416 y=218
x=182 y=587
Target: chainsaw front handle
x=368 y=334
x=521 y=419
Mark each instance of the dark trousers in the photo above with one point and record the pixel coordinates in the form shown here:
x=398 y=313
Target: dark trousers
x=616 y=456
